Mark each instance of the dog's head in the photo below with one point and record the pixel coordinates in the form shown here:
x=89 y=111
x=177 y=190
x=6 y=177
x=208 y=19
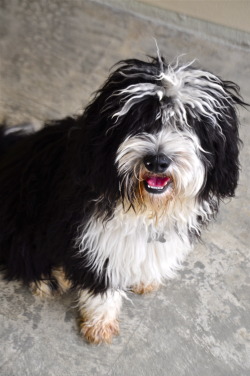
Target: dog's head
x=165 y=132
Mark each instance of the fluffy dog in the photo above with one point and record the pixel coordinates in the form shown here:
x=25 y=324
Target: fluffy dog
x=113 y=200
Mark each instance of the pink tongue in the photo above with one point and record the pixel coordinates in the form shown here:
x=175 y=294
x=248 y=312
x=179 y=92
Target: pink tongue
x=155 y=181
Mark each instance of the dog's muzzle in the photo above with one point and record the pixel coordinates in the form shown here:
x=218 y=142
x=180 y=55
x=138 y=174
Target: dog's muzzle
x=156 y=180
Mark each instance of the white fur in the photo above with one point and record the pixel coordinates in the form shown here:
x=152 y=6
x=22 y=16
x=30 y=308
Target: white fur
x=133 y=244
x=199 y=91
x=103 y=308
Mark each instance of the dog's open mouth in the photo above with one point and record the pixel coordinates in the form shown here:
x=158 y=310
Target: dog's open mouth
x=156 y=184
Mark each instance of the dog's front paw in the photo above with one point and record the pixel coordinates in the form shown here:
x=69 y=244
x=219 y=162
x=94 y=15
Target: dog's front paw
x=145 y=289
x=100 y=332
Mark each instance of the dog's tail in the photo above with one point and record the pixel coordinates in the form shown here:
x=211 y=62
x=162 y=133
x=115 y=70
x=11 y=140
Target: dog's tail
x=9 y=136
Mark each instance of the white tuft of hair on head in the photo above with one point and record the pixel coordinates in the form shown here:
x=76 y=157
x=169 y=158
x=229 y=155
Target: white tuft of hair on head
x=182 y=91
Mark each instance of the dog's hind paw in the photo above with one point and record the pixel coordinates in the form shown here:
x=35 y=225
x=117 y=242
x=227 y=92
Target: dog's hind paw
x=42 y=289
x=56 y=284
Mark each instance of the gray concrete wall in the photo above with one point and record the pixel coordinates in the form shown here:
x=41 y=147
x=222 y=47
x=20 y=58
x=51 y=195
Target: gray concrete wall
x=176 y=15
x=231 y=13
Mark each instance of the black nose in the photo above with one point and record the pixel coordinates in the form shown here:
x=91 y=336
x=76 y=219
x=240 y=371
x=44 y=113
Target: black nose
x=157 y=163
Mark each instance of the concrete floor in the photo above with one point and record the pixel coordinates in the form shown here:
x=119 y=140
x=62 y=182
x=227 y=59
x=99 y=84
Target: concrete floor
x=53 y=56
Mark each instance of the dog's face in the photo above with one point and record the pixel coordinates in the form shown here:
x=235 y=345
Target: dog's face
x=167 y=133
x=161 y=166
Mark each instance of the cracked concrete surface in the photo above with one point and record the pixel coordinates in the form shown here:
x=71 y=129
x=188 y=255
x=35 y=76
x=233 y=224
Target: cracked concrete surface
x=53 y=56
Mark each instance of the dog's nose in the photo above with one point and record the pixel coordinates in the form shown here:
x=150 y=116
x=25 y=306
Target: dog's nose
x=157 y=163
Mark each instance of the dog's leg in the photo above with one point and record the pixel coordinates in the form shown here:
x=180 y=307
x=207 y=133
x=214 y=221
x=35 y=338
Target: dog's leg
x=142 y=288
x=47 y=287
x=99 y=315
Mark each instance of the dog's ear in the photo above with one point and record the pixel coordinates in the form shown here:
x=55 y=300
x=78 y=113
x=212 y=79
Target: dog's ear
x=220 y=143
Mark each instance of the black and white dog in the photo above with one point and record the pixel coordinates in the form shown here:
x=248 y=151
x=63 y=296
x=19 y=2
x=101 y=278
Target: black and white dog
x=113 y=200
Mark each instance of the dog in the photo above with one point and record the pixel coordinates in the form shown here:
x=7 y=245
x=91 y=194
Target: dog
x=114 y=199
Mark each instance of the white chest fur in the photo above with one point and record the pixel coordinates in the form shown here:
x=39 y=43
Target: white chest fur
x=137 y=250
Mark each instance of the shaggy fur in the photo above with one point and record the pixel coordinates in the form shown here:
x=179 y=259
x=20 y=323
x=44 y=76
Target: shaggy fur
x=113 y=199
